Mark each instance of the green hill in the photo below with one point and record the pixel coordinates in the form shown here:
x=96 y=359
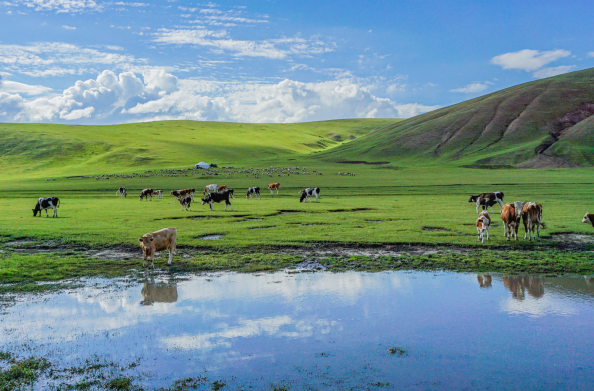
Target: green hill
x=545 y=123
x=44 y=150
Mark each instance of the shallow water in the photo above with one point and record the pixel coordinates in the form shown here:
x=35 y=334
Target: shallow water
x=322 y=330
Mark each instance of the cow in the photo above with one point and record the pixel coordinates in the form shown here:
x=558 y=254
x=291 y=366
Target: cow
x=212 y=188
x=221 y=188
x=185 y=202
x=510 y=221
x=182 y=193
x=161 y=240
x=146 y=193
x=487 y=200
x=588 y=219
x=44 y=203
x=273 y=186
x=309 y=192
x=532 y=218
x=482 y=226
x=253 y=191
x=121 y=192
x=158 y=194
x=218 y=197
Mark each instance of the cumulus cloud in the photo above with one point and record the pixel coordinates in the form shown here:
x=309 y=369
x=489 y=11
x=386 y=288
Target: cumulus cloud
x=112 y=98
x=219 y=40
x=472 y=88
x=528 y=60
x=552 y=71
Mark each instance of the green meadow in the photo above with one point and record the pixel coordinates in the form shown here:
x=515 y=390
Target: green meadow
x=388 y=202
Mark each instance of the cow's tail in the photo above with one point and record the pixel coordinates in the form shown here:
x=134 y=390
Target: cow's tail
x=543 y=225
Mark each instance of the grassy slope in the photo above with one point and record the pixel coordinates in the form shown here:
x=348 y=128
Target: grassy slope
x=504 y=127
x=41 y=150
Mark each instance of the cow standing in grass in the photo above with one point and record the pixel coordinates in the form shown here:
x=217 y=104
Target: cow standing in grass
x=185 y=202
x=273 y=186
x=212 y=188
x=310 y=192
x=146 y=193
x=487 y=200
x=510 y=221
x=44 y=203
x=158 y=194
x=218 y=197
x=122 y=192
x=164 y=239
x=532 y=218
x=482 y=226
x=253 y=191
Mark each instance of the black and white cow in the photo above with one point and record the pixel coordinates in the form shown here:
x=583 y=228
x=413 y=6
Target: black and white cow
x=185 y=202
x=310 y=192
x=44 y=203
x=122 y=192
x=218 y=197
x=146 y=193
x=253 y=191
x=487 y=200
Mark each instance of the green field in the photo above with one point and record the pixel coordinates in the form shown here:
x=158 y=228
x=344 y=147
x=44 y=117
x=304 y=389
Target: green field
x=390 y=201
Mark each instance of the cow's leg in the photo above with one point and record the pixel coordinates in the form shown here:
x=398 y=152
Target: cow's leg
x=170 y=255
x=210 y=203
x=478 y=230
x=153 y=260
x=506 y=232
x=55 y=211
x=46 y=215
x=490 y=207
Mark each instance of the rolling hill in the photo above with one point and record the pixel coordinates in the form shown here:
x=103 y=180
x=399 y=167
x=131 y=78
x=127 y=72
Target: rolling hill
x=547 y=123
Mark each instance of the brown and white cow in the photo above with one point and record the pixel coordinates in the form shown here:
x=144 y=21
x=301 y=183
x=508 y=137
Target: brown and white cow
x=182 y=193
x=158 y=194
x=146 y=193
x=510 y=221
x=588 y=219
x=221 y=188
x=273 y=186
x=161 y=240
x=482 y=226
x=532 y=217
x=212 y=188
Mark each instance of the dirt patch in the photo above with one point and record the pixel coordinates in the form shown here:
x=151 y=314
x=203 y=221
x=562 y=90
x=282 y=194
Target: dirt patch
x=241 y=221
x=270 y=227
x=573 y=238
x=374 y=221
x=115 y=255
x=436 y=229
x=349 y=210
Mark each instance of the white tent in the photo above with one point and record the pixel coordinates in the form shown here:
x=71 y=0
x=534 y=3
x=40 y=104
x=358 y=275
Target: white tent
x=202 y=165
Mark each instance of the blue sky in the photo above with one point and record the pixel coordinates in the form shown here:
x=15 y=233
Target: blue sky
x=96 y=62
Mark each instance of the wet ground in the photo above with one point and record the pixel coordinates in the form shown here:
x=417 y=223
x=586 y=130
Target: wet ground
x=389 y=330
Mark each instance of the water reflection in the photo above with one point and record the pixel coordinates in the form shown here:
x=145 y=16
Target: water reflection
x=158 y=293
x=484 y=280
x=518 y=285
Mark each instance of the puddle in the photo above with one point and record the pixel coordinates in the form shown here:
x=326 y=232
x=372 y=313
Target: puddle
x=211 y=237
x=402 y=330
x=436 y=229
x=573 y=238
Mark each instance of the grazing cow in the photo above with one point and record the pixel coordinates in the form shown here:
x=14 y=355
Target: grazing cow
x=212 y=188
x=532 y=218
x=310 y=192
x=185 y=202
x=146 y=193
x=588 y=219
x=510 y=221
x=44 y=203
x=161 y=240
x=482 y=225
x=158 y=194
x=218 y=197
x=273 y=186
x=122 y=192
x=253 y=191
x=487 y=200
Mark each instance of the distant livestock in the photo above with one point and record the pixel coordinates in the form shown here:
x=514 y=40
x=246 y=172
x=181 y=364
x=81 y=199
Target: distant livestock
x=44 y=203
x=161 y=240
x=255 y=191
x=273 y=186
x=487 y=200
x=218 y=197
x=310 y=192
x=146 y=193
x=482 y=225
x=121 y=192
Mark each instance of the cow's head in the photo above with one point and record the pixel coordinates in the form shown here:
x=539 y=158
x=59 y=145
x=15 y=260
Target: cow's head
x=206 y=199
x=37 y=209
x=140 y=197
x=303 y=195
x=586 y=219
x=147 y=242
x=473 y=198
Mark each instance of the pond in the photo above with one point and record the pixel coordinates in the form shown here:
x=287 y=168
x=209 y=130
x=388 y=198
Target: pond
x=321 y=330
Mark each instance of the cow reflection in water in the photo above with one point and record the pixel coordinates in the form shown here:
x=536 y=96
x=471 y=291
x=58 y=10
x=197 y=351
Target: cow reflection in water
x=484 y=280
x=160 y=292
x=518 y=285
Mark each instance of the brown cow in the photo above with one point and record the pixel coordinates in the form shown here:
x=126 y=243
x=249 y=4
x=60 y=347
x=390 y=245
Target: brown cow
x=510 y=221
x=532 y=217
x=482 y=225
x=161 y=240
x=272 y=187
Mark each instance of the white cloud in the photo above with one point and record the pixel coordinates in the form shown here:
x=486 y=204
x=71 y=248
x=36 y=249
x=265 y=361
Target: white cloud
x=528 y=60
x=590 y=54
x=68 y=27
x=552 y=71
x=112 y=98
x=472 y=88
x=60 y=6
x=12 y=87
x=219 y=40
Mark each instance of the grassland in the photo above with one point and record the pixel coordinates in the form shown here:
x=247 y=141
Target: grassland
x=414 y=202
